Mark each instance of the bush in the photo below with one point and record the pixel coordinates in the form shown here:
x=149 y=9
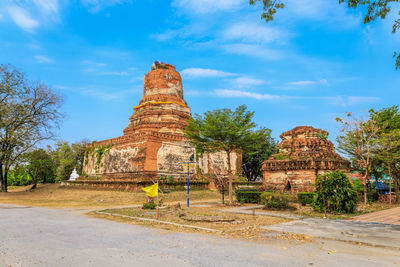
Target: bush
x=149 y=206
x=275 y=201
x=305 y=198
x=335 y=193
x=248 y=196
x=373 y=196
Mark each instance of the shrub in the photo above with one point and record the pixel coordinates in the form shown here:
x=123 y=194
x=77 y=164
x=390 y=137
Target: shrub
x=275 y=201
x=305 y=198
x=149 y=206
x=248 y=196
x=334 y=193
x=373 y=196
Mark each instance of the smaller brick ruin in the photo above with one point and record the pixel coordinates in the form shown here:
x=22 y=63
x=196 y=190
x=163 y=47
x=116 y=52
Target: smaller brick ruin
x=304 y=153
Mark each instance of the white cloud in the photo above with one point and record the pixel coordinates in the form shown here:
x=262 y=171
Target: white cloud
x=43 y=59
x=22 y=18
x=48 y=8
x=95 y=6
x=254 y=33
x=242 y=82
x=256 y=51
x=350 y=100
x=246 y=94
x=199 y=73
x=93 y=63
x=302 y=83
x=322 y=10
x=114 y=73
x=209 y=6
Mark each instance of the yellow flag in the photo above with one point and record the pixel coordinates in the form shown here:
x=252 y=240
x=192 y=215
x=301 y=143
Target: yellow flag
x=152 y=190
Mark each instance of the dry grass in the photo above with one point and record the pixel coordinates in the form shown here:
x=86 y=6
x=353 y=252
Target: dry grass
x=53 y=195
x=247 y=227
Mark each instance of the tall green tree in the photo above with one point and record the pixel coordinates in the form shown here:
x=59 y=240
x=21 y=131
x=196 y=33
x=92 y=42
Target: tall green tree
x=358 y=143
x=41 y=167
x=225 y=130
x=29 y=111
x=252 y=159
x=375 y=9
x=388 y=160
x=68 y=157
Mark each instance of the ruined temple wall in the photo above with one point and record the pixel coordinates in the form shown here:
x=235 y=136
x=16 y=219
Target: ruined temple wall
x=150 y=159
x=300 y=180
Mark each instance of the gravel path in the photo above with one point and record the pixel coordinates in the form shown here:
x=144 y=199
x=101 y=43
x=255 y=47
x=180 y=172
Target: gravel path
x=31 y=236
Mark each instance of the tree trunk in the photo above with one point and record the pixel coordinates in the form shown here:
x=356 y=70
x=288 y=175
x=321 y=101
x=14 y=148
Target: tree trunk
x=34 y=181
x=230 y=178
x=390 y=186
x=5 y=179
x=365 y=188
x=396 y=186
x=1 y=177
x=223 y=196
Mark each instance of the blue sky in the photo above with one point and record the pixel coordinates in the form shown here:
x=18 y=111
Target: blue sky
x=314 y=62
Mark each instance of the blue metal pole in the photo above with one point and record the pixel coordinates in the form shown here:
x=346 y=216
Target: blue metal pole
x=188 y=186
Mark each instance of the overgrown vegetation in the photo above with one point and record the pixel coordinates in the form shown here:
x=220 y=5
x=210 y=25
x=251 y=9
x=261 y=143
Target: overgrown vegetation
x=275 y=200
x=248 y=196
x=305 y=198
x=335 y=193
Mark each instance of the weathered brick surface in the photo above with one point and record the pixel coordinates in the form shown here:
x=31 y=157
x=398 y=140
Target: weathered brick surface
x=304 y=153
x=153 y=143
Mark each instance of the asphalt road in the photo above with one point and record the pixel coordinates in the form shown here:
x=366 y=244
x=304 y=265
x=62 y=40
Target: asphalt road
x=31 y=236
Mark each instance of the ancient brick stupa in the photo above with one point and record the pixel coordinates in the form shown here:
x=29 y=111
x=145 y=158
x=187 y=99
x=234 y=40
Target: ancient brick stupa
x=153 y=143
x=304 y=153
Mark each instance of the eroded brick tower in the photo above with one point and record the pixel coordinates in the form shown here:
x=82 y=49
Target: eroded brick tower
x=153 y=143
x=304 y=153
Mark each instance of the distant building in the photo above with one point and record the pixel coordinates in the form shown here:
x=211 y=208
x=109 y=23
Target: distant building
x=304 y=153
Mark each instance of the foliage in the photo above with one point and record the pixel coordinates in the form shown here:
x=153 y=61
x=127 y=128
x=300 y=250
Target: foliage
x=29 y=111
x=275 y=201
x=334 y=193
x=372 y=194
x=376 y=9
x=358 y=142
x=323 y=136
x=248 y=196
x=305 y=197
x=269 y=8
x=253 y=159
x=18 y=176
x=40 y=166
x=280 y=156
x=149 y=206
x=226 y=130
x=387 y=159
x=68 y=157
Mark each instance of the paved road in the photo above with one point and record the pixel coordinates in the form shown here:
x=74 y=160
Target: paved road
x=31 y=236
x=382 y=235
x=391 y=216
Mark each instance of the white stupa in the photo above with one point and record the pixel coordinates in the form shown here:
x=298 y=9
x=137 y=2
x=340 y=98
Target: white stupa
x=74 y=175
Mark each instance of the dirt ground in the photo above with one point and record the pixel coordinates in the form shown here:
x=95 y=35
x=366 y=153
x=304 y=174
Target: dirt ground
x=241 y=226
x=53 y=195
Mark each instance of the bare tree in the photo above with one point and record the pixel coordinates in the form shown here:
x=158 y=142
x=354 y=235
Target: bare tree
x=29 y=111
x=358 y=142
